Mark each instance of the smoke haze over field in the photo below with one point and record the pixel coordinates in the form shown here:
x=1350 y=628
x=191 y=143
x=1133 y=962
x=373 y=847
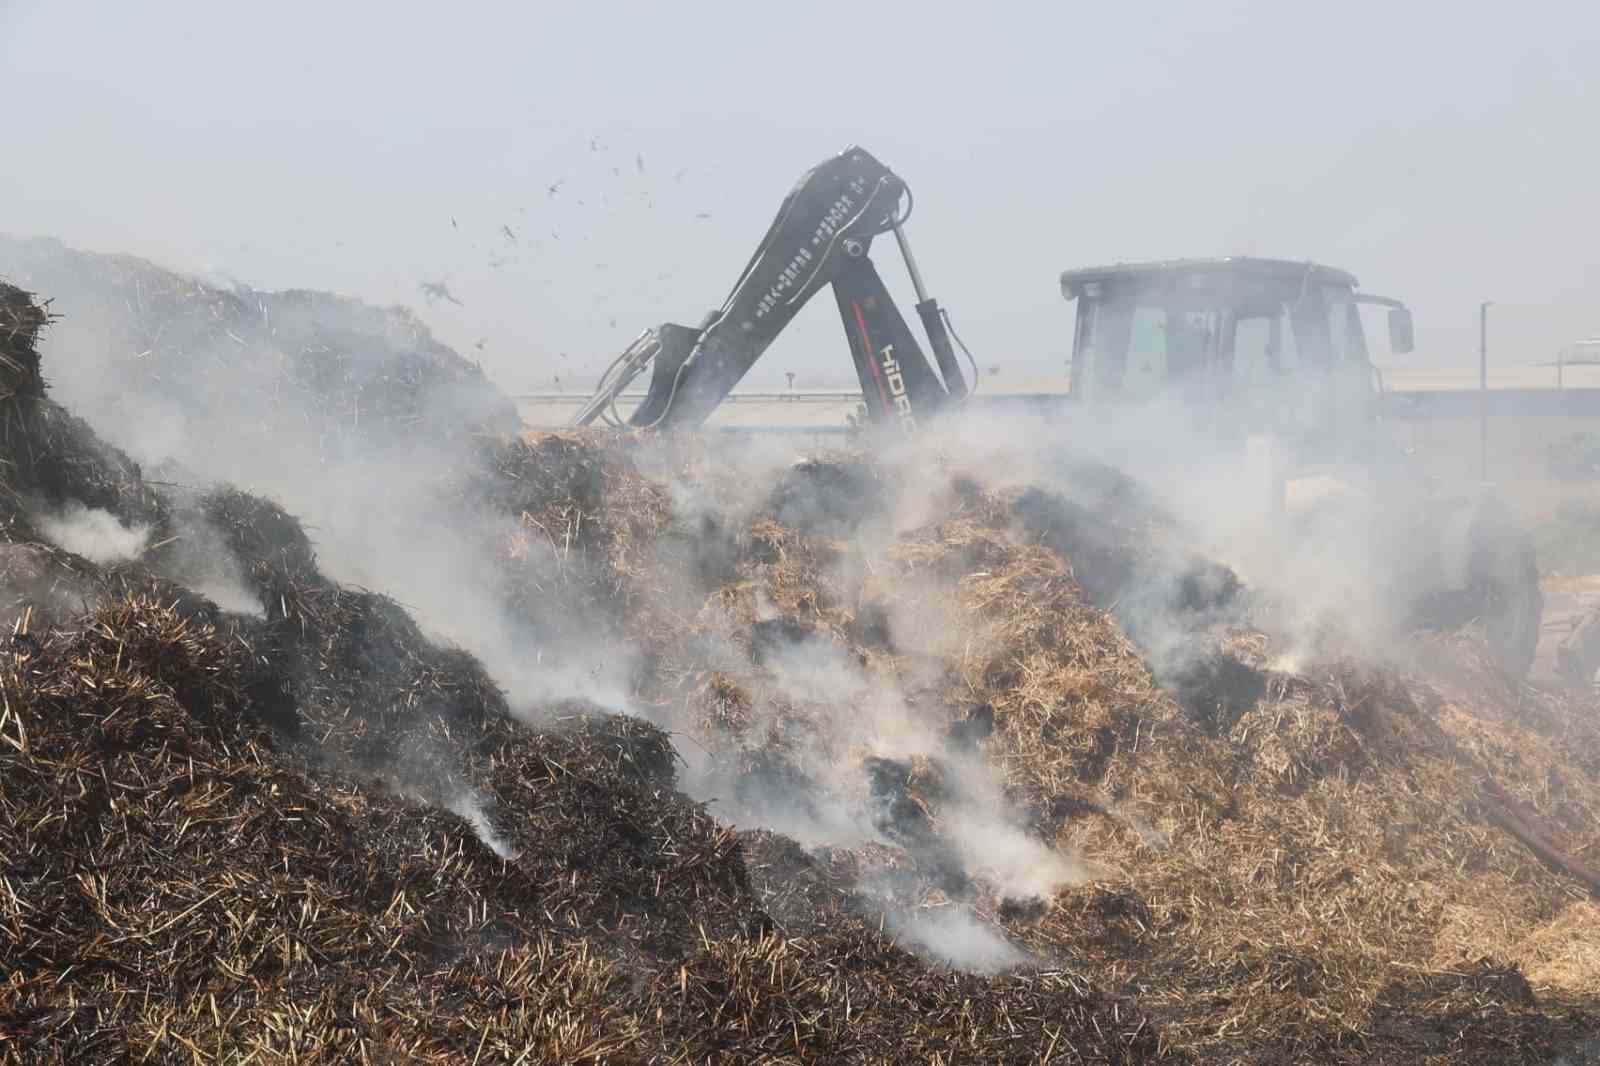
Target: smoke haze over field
x=367 y=430
x=573 y=174
x=474 y=166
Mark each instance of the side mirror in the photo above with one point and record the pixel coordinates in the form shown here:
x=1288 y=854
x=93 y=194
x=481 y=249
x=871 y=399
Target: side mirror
x=1401 y=339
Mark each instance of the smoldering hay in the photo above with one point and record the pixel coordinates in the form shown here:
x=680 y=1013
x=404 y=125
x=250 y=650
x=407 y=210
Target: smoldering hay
x=893 y=784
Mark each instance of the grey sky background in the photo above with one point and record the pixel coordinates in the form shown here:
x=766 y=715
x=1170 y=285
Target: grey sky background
x=1446 y=153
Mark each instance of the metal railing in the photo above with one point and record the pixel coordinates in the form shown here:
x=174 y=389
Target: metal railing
x=577 y=398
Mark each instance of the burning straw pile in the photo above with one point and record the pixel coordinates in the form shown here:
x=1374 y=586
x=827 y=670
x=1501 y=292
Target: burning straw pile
x=1273 y=867
x=215 y=851
x=299 y=830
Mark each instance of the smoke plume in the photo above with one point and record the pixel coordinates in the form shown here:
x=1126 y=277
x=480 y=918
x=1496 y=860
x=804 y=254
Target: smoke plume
x=95 y=534
x=953 y=936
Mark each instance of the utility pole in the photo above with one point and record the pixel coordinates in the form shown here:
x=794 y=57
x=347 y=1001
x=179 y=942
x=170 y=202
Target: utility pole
x=1483 y=389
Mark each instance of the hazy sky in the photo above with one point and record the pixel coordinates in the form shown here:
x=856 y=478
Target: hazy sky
x=1444 y=152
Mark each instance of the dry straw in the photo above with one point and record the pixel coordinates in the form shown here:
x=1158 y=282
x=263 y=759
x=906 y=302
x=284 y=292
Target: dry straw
x=226 y=839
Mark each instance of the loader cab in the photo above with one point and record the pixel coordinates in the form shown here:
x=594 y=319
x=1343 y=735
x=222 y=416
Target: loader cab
x=1239 y=346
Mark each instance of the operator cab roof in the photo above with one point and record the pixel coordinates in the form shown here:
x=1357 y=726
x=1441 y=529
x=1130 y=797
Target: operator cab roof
x=1072 y=281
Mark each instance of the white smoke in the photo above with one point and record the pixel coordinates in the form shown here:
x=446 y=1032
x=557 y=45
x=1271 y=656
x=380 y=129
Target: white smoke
x=198 y=555
x=470 y=807
x=865 y=715
x=96 y=534
x=1330 y=576
x=383 y=519
x=232 y=596
x=995 y=847
x=954 y=936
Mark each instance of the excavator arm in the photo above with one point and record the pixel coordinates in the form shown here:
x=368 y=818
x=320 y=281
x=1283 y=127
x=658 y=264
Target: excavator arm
x=821 y=237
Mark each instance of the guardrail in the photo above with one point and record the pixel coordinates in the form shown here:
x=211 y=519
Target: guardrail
x=1422 y=405
x=1467 y=403
x=735 y=398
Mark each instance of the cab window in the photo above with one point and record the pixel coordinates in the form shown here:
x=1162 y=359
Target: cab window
x=1264 y=347
x=1136 y=348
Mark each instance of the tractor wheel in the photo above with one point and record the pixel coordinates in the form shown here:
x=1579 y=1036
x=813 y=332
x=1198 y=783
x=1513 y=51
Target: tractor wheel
x=1512 y=605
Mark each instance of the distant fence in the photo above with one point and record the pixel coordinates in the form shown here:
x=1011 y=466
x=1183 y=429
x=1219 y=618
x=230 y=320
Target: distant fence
x=626 y=398
x=1422 y=405
x=1467 y=403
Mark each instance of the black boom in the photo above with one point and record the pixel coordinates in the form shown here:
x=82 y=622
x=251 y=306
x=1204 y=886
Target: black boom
x=896 y=381
x=821 y=236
